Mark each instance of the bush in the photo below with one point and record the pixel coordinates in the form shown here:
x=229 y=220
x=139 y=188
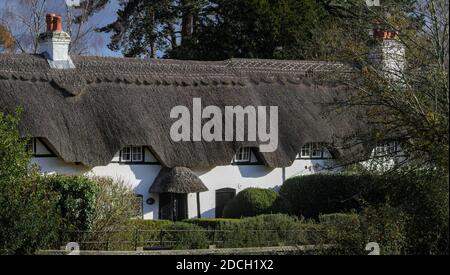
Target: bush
x=149 y=225
x=76 y=201
x=423 y=196
x=28 y=214
x=115 y=207
x=343 y=233
x=312 y=195
x=180 y=235
x=350 y=233
x=29 y=217
x=251 y=202
x=263 y=230
x=386 y=226
x=214 y=224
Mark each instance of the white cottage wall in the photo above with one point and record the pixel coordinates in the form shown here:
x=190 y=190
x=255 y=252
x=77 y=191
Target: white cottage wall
x=141 y=176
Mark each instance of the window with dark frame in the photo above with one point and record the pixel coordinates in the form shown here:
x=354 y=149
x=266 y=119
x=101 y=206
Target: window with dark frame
x=243 y=155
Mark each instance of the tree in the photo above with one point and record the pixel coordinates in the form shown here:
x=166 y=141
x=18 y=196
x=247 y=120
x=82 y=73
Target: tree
x=222 y=29
x=28 y=212
x=408 y=104
x=144 y=27
x=211 y=30
x=6 y=39
x=25 y=20
x=254 y=29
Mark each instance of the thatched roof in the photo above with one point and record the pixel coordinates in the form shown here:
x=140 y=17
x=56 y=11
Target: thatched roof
x=179 y=180
x=89 y=113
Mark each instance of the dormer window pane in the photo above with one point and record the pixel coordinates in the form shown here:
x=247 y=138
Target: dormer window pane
x=137 y=153
x=316 y=149
x=243 y=155
x=126 y=154
x=306 y=151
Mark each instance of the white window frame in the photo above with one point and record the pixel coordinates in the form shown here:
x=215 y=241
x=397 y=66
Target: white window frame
x=243 y=155
x=309 y=149
x=316 y=147
x=305 y=152
x=130 y=153
x=139 y=153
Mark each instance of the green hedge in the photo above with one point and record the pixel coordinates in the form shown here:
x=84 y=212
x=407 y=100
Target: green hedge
x=312 y=195
x=263 y=230
x=214 y=224
x=76 y=204
x=343 y=231
x=252 y=202
x=386 y=226
x=180 y=235
x=421 y=196
x=350 y=233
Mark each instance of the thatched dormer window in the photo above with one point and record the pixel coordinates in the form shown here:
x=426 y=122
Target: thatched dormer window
x=243 y=155
x=132 y=154
x=313 y=150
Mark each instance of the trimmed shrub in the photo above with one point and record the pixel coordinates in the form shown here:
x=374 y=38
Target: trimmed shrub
x=76 y=202
x=350 y=233
x=180 y=235
x=251 y=202
x=214 y=224
x=148 y=232
x=263 y=230
x=422 y=196
x=312 y=195
x=148 y=225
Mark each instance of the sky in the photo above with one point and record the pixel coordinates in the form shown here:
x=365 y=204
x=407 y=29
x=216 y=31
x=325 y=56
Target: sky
x=100 y=19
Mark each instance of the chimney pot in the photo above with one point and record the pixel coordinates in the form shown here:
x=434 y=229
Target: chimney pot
x=49 y=21
x=382 y=34
x=57 y=23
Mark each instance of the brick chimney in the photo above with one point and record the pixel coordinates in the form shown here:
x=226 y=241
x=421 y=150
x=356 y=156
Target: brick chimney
x=54 y=43
x=388 y=53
